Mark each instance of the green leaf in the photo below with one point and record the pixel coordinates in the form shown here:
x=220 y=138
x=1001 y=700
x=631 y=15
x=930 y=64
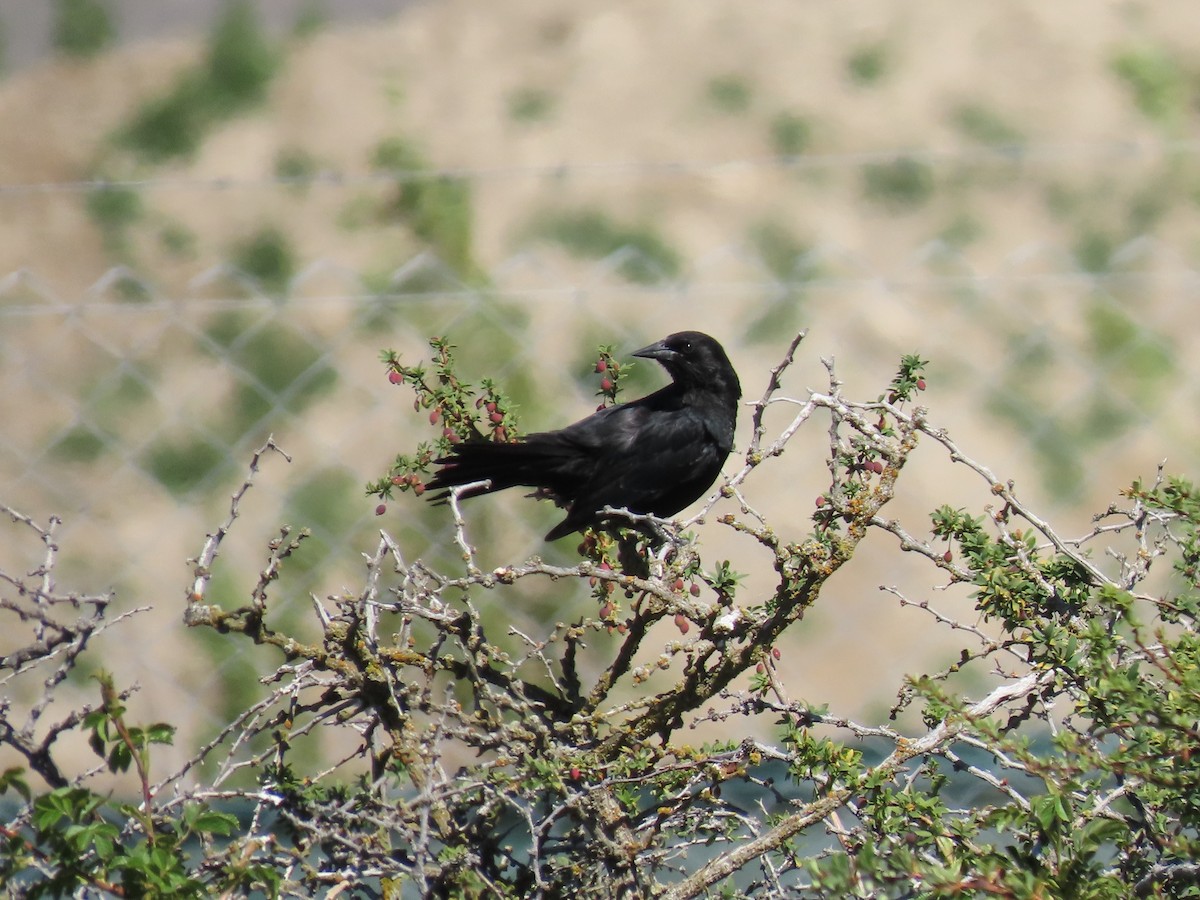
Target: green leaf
x=160 y=733
x=211 y=822
x=14 y=778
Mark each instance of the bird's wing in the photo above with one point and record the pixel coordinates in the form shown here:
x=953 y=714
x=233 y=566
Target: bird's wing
x=616 y=429
x=652 y=461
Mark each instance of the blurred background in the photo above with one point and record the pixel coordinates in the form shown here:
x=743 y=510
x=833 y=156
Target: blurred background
x=214 y=216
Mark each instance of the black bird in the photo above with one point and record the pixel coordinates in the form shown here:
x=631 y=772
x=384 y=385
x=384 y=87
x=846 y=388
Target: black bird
x=651 y=456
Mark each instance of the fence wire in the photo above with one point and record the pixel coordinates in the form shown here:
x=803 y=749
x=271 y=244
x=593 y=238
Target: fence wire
x=130 y=410
x=1023 y=153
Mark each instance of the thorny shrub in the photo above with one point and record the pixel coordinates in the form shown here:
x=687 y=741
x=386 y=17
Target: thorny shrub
x=489 y=762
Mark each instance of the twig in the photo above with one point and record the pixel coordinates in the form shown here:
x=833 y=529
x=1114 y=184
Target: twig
x=204 y=562
x=938 y=737
x=454 y=497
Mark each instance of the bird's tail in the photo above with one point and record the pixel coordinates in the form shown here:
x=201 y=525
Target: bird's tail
x=502 y=466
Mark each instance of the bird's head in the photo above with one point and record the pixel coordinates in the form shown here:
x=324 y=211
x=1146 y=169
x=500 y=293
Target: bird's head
x=694 y=360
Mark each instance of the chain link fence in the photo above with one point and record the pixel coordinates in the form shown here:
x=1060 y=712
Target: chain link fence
x=131 y=410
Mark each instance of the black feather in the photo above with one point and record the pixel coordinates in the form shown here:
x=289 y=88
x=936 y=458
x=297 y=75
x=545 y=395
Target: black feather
x=655 y=455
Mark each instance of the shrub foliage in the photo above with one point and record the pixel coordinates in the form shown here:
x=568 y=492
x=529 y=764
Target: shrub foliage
x=1051 y=758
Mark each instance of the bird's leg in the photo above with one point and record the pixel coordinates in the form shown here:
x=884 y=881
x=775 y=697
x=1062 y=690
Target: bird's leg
x=664 y=553
x=632 y=562
x=545 y=493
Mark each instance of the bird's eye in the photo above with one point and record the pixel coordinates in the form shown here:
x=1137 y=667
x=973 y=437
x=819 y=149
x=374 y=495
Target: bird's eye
x=687 y=345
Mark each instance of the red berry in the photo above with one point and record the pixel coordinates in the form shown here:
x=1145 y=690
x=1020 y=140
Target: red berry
x=682 y=623
x=491 y=406
x=395 y=377
x=606 y=384
x=760 y=668
x=450 y=434
x=920 y=384
x=399 y=479
x=575 y=773
x=497 y=417
x=775 y=652
x=381 y=509
x=434 y=414
x=606 y=609
x=695 y=589
x=501 y=434
x=622 y=628
x=602 y=366
x=678 y=585
x=947 y=556
x=820 y=501
x=418 y=489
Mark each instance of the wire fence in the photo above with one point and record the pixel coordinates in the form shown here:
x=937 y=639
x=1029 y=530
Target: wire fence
x=131 y=410
x=1066 y=154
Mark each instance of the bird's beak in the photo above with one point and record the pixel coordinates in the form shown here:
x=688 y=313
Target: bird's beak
x=658 y=350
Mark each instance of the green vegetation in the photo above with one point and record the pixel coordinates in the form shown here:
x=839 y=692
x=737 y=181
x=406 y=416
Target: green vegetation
x=1016 y=397
x=530 y=105
x=170 y=126
x=1047 y=747
x=1161 y=88
x=184 y=462
x=778 y=248
x=82 y=28
x=1119 y=343
x=234 y=77
x=297 y=166
x=869 y=64
x=132 y=289
x=267 y=257
x=985 y=126
x=902 y=185
x=1058 y=428
x=110 y=399
x=114 y=209
x=241 y=60
x=437 y=208
x=791 y=134
x=592 y=234
x=729 y=94
x=962 y=230
x=1104 y=213
x=177 y=240
x=277 y=369
x=1094 y=249
x=1152 y=200
x=113 y=398
x=328 y=503
x=311 y=18
x=398 y=156
x=782 y=253
x=81 y=444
